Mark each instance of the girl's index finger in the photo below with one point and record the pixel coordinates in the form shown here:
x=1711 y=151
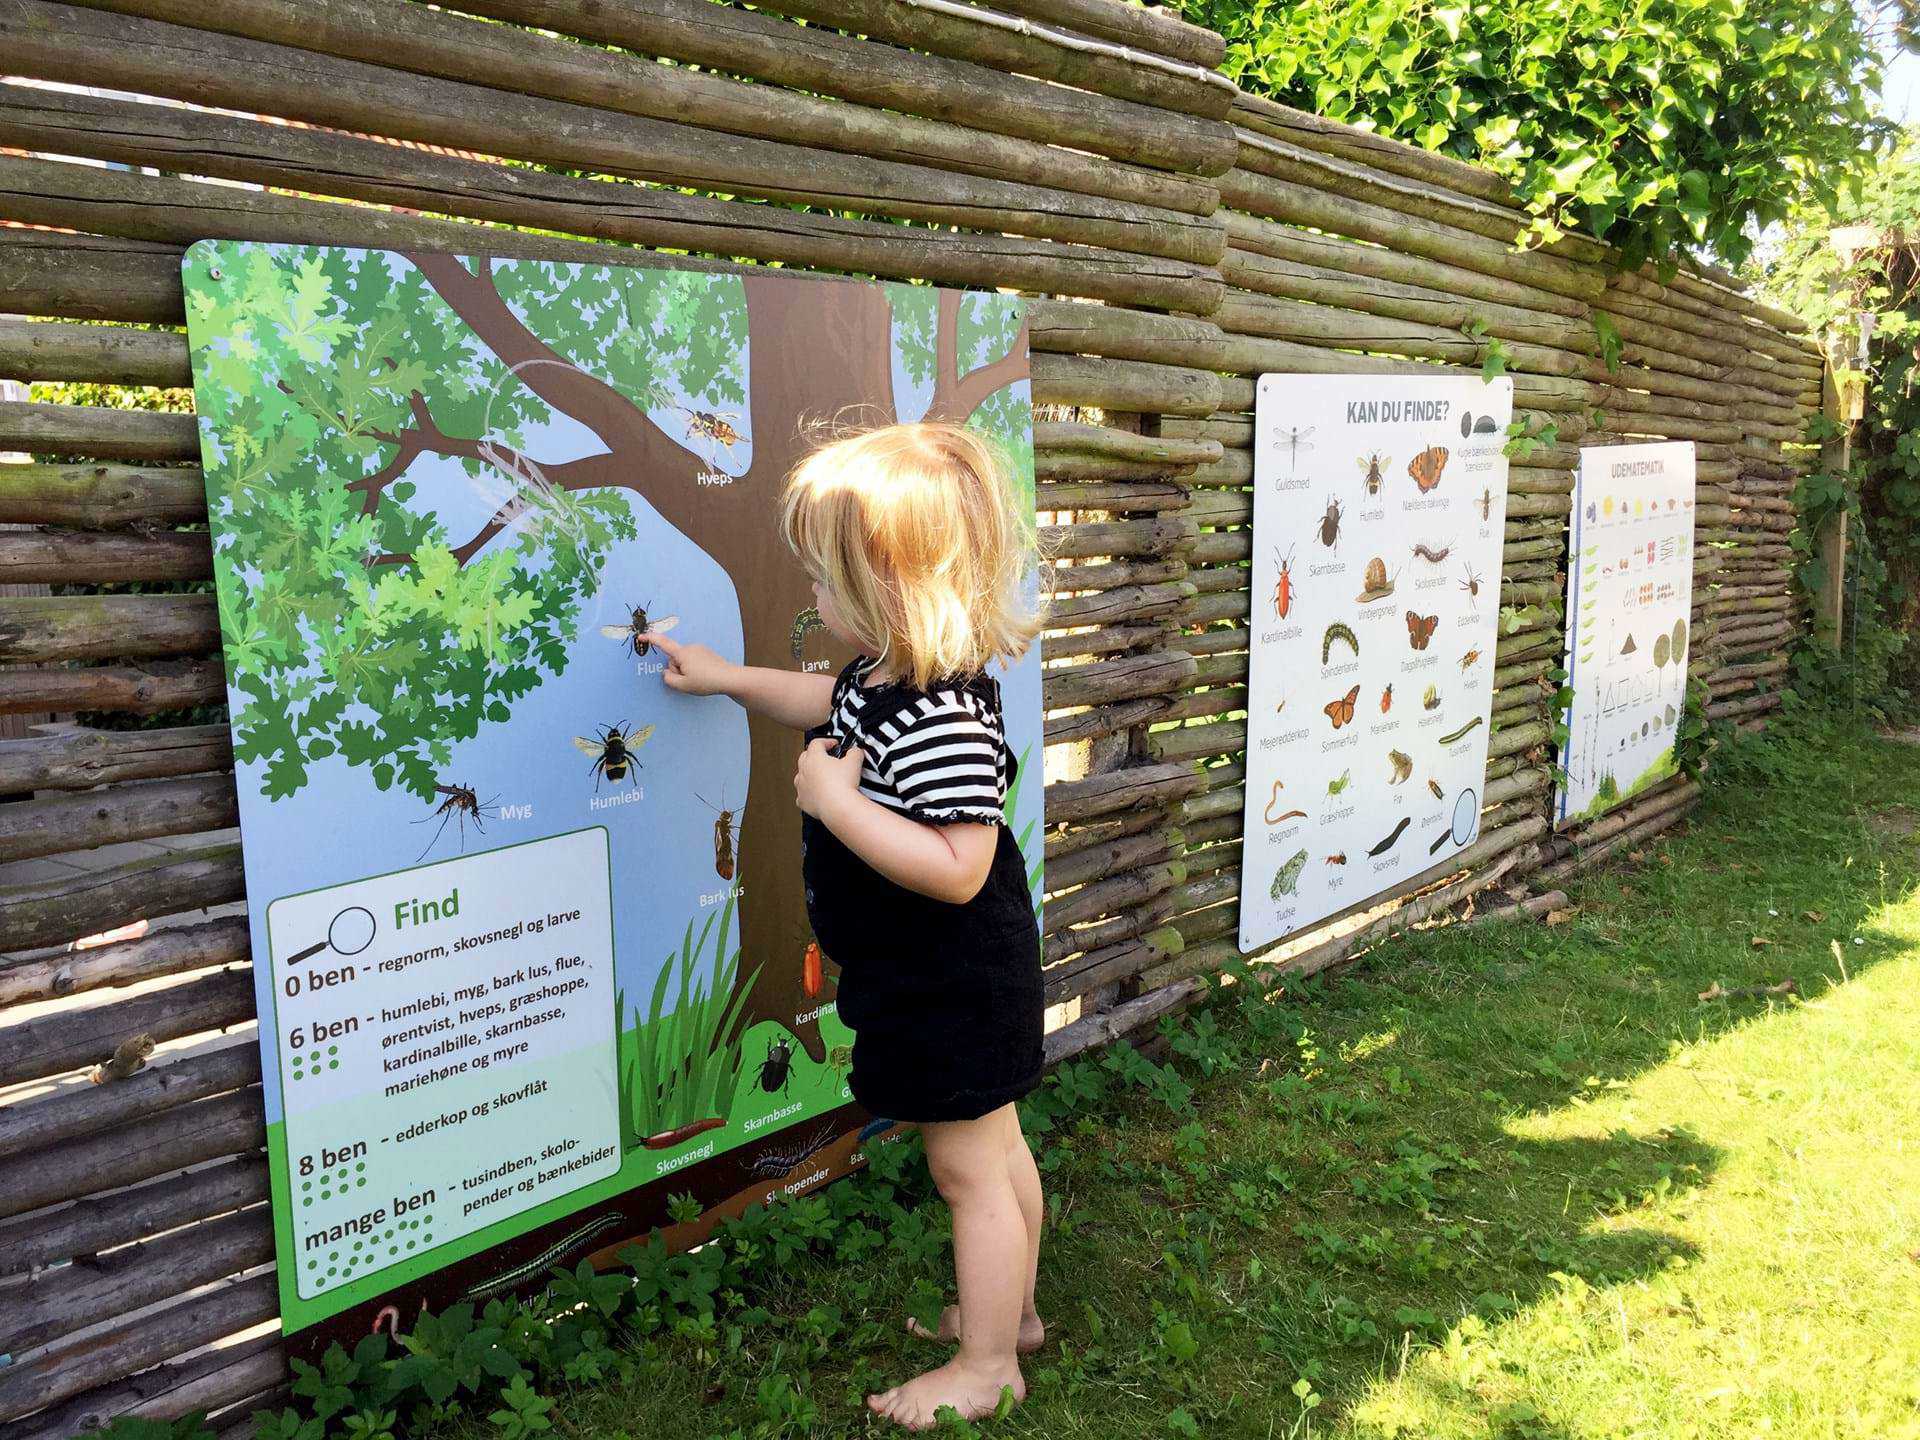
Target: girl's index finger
x=671 y=647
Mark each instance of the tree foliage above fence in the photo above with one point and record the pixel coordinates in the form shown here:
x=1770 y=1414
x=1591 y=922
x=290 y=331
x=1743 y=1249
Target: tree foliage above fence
x=1657 y=125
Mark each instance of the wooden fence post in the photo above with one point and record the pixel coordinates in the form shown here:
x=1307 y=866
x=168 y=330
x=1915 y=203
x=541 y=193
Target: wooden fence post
x=1830 y=544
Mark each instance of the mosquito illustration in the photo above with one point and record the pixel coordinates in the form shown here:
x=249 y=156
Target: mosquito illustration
x=462 y=800
x=1295 y=441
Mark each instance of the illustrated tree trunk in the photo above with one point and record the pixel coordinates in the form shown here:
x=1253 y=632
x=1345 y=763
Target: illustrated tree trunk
x=820 y=352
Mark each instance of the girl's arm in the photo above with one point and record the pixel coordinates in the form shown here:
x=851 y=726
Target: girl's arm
x=945 y=862
x=788 y=696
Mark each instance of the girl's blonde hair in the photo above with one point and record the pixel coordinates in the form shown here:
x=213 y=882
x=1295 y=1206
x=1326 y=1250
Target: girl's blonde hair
x=914 y=531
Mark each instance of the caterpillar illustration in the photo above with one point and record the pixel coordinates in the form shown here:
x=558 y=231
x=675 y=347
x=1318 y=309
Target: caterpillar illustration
x=806 y=621
x=1432 y=556
x=546 y=1259
x=1338 y=631
x=1463 y=730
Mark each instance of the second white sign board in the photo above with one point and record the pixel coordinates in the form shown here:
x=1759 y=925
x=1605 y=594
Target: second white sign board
x=1628 y=601
x=1378 y=521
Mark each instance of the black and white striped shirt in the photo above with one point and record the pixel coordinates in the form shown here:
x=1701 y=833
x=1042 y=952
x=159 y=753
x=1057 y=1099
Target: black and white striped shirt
x=939 y=756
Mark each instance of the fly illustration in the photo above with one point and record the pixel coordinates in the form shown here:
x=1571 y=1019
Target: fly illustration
x=613 y=751
x=462 y=800
x=639 y=631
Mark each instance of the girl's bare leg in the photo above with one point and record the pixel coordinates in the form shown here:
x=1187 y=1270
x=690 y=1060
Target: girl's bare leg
x=1033 y=1211
x=969 y=1160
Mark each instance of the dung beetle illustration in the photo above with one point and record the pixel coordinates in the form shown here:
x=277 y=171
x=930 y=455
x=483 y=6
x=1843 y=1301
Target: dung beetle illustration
x=1329 y=525
x=777 y=1069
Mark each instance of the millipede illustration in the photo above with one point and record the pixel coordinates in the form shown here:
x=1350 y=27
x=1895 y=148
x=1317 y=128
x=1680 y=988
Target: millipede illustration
x=546 y=1259
x=1338 y=631
x=1465 y=729
x=779 y=1162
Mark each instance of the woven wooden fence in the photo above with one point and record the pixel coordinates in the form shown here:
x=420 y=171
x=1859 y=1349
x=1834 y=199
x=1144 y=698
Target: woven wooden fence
x=1180 y=238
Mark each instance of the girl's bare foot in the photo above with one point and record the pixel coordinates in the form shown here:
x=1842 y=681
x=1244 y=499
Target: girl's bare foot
x=1033 y=1333
x=970 y=1390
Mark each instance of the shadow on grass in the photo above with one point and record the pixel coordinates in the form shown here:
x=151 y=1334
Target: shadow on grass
x=1355 y=1173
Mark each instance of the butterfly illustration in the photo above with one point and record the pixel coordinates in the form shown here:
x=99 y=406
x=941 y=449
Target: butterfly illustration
x=1340 y=711
x=1425 y=467
x=1420 y=629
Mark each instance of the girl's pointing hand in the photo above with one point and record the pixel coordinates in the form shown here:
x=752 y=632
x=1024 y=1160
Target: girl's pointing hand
x=823 y=779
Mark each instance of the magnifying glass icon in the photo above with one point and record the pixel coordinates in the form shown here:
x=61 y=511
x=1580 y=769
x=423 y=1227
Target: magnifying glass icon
x=351 y=932
x=1466 y=820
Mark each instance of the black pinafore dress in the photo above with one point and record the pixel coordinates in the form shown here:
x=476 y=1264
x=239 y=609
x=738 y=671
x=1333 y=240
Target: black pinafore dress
x=945 y=1000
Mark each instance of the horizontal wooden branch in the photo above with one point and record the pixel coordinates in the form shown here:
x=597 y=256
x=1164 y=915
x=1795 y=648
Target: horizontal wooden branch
x=149 y=689
x=1126 y=789
x=1060 y=435
x=81 y=557
x=171 y=1140
x=101 y=497
x=82 y=759
x=79 y=1111
x=1126 y=384
x=171 y=950
x=101 y=1376
x=97 y=430
x=100 y=353
x=56 y=911
x=59 y=1301
x=66 y=1040
x=100 y=1222
x=575 y=137
x=1127 y=677
x=90 y=277
x=140 y=810
x=101 y=627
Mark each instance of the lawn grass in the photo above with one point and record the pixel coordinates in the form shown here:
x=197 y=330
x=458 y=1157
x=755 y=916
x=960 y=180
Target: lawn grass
x=1514 y=1181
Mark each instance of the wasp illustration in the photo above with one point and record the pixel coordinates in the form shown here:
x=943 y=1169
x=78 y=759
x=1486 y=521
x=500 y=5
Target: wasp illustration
x=716 y=428
x=1328 y=525
x=462 y=801
x=777 y=1069
x=613 y=751
x=722 y=837
x=639 y=631
x=1283 y=587
x=1373 y=464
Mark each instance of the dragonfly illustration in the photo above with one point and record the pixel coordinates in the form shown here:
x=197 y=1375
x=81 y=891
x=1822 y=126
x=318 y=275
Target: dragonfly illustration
x=1295 y=440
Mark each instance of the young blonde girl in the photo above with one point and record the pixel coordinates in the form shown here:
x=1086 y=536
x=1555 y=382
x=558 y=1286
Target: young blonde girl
x=914 y=885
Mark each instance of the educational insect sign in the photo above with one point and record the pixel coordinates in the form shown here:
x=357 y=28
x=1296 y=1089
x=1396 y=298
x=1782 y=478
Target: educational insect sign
x=528 y=937
x=1629 y=599
x=1378 y=519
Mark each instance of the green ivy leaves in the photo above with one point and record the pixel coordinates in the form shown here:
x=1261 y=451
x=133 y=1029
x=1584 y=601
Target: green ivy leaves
x=1657 y=125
